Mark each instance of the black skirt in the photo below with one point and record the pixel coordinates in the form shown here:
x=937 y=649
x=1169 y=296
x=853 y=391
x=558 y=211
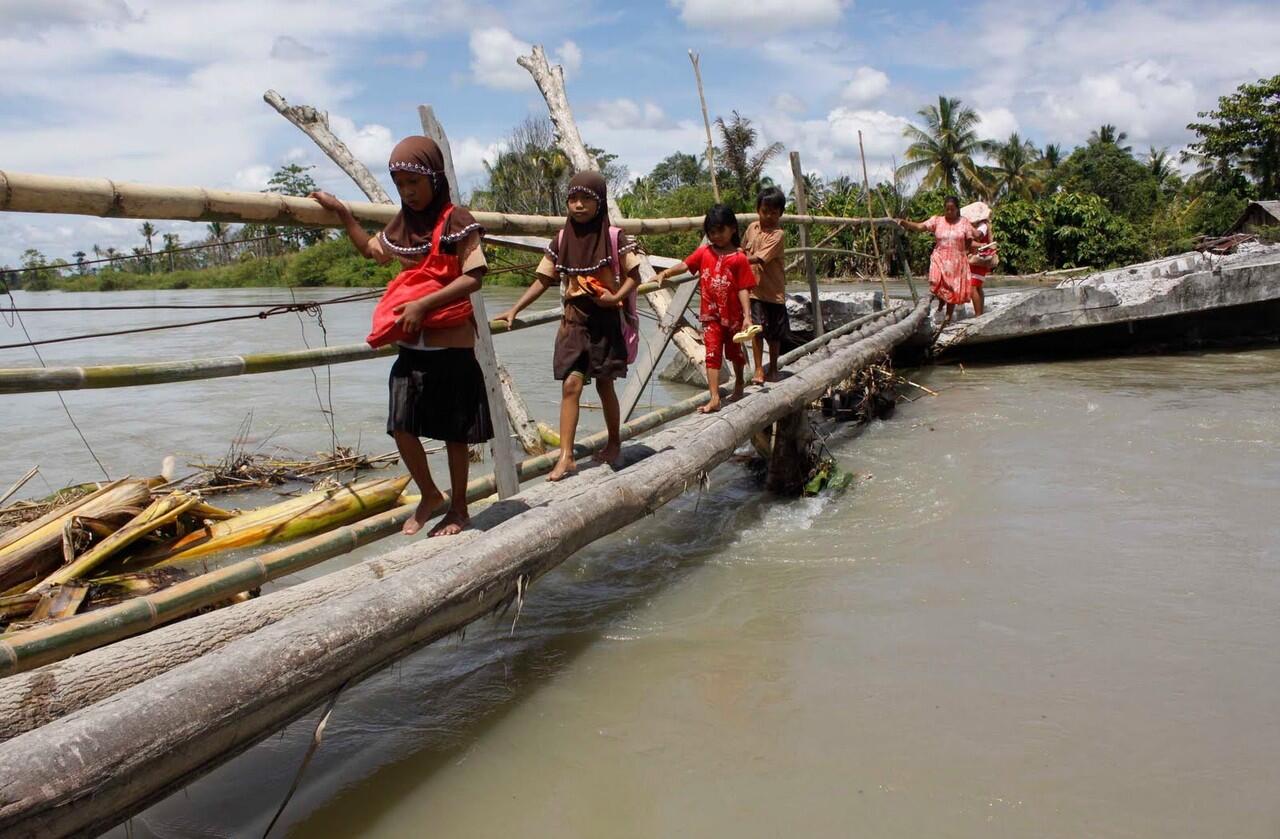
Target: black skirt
x=439 y=394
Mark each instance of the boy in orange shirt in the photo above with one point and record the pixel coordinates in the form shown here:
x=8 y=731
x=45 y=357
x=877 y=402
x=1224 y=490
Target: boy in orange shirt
x=763 y=245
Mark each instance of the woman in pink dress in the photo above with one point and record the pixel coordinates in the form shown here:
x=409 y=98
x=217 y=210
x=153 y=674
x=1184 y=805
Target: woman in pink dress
x=955 y=238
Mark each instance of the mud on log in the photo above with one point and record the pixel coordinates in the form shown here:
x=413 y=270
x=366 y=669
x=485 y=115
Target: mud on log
x=93 y=768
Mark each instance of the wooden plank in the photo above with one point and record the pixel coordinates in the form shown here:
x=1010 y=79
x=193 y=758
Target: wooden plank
x=651 y=351
x=802 y=208
x=504 y=459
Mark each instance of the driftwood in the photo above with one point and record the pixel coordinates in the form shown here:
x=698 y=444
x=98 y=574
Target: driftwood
x=35 y=697
x=550 y=81
x=315 y=124
x=89 y=770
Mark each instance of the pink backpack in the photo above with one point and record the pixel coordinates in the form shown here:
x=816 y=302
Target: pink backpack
x=630 y=318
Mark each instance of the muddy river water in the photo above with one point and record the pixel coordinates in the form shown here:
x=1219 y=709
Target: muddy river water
x=1049 y=606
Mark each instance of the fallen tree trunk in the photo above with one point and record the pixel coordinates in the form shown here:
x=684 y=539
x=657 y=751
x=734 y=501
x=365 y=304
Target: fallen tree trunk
x=35 y=697
x=91 y=769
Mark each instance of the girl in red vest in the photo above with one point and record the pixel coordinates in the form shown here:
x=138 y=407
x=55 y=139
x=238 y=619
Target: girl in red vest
x=590 y=343
x=437 y=388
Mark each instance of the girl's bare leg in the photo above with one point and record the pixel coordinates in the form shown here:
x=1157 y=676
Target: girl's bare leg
x=739 y=371
x=414 y=458
x=775 y=350
x=757 y=350
x=456 y=520
x=612 y=420
x=713 y=384
x=979 y=302
x=570 y=393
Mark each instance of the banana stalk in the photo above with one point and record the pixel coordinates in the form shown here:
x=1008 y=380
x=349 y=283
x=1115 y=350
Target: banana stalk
x=314 y=512
x=36 y=550
x=161 y=512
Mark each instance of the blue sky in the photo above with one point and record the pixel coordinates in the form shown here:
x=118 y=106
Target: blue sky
x=169 y=91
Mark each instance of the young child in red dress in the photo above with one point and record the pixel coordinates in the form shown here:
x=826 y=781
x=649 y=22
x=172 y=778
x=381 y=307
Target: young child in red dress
x=725 y=279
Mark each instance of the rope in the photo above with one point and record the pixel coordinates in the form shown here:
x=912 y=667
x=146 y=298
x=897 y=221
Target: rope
x=18 y=317
x=316 y=739
x=350 y=298
x=280 y=309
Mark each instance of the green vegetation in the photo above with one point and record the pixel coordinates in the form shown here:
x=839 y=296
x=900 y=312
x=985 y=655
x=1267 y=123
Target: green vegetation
x=1097 y=205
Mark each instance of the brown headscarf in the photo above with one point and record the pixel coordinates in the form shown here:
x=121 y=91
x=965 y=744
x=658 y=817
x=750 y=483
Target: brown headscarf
x=409 y=233
x=584 y=247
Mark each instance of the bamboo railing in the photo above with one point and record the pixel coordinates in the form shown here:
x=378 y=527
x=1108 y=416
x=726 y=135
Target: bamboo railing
x=38 y=379
x=22 y=192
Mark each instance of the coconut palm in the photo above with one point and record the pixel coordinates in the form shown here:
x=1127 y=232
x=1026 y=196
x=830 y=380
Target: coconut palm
x=944 y=149
x=1052 y=156
x=1108 y=133
x=148 y=231
x=1019 y=170
x=746 y=166
x=79 y=257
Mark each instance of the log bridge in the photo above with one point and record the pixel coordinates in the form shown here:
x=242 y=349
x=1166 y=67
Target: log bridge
x=107 y=712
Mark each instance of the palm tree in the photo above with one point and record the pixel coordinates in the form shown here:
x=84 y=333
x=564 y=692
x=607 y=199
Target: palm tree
x=1108 y=133
x=944 y=149
x=218 y=235
x=148 y=231
x=1052 y=156
x=79 y=257
x=1019 y=169
x=738 y=139
x=1160 y=165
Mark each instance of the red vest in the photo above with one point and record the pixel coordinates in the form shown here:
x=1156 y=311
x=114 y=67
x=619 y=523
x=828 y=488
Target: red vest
x=435 y=272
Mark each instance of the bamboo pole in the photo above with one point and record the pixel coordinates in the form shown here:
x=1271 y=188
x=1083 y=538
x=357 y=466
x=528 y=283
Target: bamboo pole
x=875 y=239
x=38 y=379
x=22 y=192
x=706 y=122
x=802 y=208
x=89 y=770
x=96 y=675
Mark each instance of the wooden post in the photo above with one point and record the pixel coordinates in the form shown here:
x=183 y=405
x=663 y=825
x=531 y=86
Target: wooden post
x=875 y=236
x=791 y=459
x=504 y=460
x=315 y=124
x=647 y=358
x=802 y=208
x=550 y=81
x=706 y=121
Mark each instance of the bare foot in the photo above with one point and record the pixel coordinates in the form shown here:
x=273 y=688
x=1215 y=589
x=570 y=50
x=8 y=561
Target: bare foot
x=566 y=467
x=758 y=379
x=711 y=407
x=610 y=454
x=426 y=506
x=737 y=393
x=452 y=524
x=773 y=377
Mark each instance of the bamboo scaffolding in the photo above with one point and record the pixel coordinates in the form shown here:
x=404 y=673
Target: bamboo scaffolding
x=96 y=675
x=89 y=770
x=38 y=379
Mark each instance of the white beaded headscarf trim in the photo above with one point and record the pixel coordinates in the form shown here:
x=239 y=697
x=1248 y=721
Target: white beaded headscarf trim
x=408 y=166
x=608 y=260
x=587 y=190
x=446 y=238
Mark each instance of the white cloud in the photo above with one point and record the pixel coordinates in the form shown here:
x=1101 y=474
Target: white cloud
x=494 y=51
x=253 y=178
x=759 y=15
x=570 y=57
x=470 y=156
x=789 y=103
x=867 y=85
x=1141 y=98
x=996 y=123
x=627 y=113
x=286 y=48
x=371 y=143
